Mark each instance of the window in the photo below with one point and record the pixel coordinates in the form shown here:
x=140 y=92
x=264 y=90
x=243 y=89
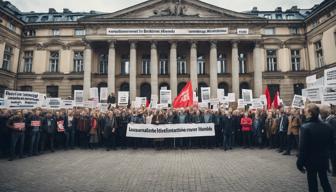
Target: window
x=145 y=64
x=271 y=60
x=319 y=54
x=32 y=18
x=289 y=16
x=57 y=18
x=28 y=61
x=294 y=30
x=55 y=32
x=221 y=64
x=11 y=26
x=53 y=61
x=295 y=55
x=103 y=63
x=200 y=65
x=79 y=32
x=278 y=16
x=268 y=16
x=45 y=18
x=52 y=91
x=163 y=64
x=242 y=63
x=181 y=65
x=78 y=61
x=269 y=31
x=29 y=33
x=243 y=85
x=298 y=88
x=26 y=88
x=7 y=59
x=315 y=23
x=125 y=64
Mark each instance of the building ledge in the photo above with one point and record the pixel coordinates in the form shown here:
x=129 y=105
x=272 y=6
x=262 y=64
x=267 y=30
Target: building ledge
x=26 y=75
x=273 y=75
x=7 y=73
x=53 y=75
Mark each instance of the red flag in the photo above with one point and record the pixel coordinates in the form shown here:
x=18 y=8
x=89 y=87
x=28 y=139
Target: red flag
x=185 y=97
x=147 y=103
x=268 y=97
x=276 y=100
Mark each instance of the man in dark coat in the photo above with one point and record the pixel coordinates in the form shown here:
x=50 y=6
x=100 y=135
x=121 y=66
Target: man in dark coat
x=283 y=128
x=111 y=99
x=227 y=129
x=316 y=142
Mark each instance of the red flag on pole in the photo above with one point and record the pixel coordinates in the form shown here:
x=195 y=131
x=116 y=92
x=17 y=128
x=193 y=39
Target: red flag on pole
x=276 y=100
x=268 y=97
x=185 y=97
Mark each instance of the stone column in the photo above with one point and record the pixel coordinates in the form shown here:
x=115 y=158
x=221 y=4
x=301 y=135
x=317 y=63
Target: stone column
x=193 y=65
x=111 y=68
x=154 y=69
x=87 y=71
x=173 y=69
x=133 y=71
x=284 y=55
x=235 y=69
x=213 y=69
x=258 y=68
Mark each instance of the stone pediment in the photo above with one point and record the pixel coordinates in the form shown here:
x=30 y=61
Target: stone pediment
x=171 y=9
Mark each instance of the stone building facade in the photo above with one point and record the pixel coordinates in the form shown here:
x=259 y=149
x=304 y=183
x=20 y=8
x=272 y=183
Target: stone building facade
x=165 y=43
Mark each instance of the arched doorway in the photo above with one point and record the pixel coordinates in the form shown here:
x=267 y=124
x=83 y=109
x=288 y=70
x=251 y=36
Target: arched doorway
x=225 y=86
x=164 y=85
x=243 y=85
x=200 y=85
x=124 y=87
x=145 y=90
x=180 y=86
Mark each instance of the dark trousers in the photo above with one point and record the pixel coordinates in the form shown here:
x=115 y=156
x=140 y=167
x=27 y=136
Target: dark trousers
x=34 y=142
x=333 y=162
x=17 y=137
x=4 y=143
x=291 y=139
x=219 y=137
x=247 y=138
x=227 y=141
x=83 y=139
x=272 y=141
x=70 y=139
x=282 y=140
x=111 y=141
x=47 y=138
x=312 y=180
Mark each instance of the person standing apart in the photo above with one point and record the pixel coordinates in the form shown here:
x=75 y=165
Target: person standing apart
x=316 y=142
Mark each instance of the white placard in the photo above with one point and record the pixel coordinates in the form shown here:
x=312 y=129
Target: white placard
x=54 y=103
x=162 y=106
x=166 y=31
x=298 y=101
x=103 y=94
x=153 y=101
x=329 y=95
x=242 y=31
x=103 y=107
x=221 y=95
x=247 y=96
x=263 y=100
x=123 y=98
x=165 y=96
x=94 y=93
x=313 y=94
x=21 y=99
x=79 y=98
x=257 y=104
x=241 y=104
x=140 y=102
x=42 y=100
x=311 y=79
x=232 y=97
x=205 y=94
x=67 y=104
x=330 y=77
x=203 y=105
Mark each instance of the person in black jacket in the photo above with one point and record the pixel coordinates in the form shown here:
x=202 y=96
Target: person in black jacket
x=48 y=132
x=111 y=98
x=283 y=127
x=316 y=142
x=17 y=126
x=227 y=129
x=4 y=133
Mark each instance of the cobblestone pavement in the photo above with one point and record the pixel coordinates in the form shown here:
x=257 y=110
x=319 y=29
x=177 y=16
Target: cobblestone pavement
x=149 y=170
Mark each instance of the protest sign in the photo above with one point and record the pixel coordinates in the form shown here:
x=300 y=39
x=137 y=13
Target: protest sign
x=94 y=93
x=170 y=130
x=67 y=104
x=103 y=94
x=241 y=104
x=205 y=94
x=54 y=103
x=221 y=95
x=42 y=101
x=79 y=98
x=21 y=99
x=123 y=98
x=232 y=97
x=329 y=96
x=298 y=101
x=263 y=100
x=313 y=94
x=154 y=101
x=247 y=96
x=330 y=77
x=35 y=123
x=103 y=107
x=60 y=126
x=311 y=79
x=257 y=104
x=140 y=102
x=165 y=96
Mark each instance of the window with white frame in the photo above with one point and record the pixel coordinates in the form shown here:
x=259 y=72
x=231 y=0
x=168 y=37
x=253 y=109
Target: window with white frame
x=7 y=59
x=53 y=61
x=271 y=60
x=103 y=63
x=29 y=33
x=181 y=65
x=221 y=64
x=242 y=63
x=269 y=31
x=55 y=32
x=145 y=63
x=319 y=54
x=79 y=32
x=125 y=65
x=294 y=30
x=78 y=61
x=295 y=55
x=11 y=26
x=201 y=65
x=268 y=16
x=289 y=16
x=163 y=64
x=28 y=61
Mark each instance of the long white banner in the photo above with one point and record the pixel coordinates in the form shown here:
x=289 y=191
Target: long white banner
x=165 y=31
x=170 y=130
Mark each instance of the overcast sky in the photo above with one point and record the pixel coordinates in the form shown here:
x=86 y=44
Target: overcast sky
x=114 y=5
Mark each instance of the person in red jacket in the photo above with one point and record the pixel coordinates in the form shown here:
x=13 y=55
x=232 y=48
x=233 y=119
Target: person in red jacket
x=246 y=124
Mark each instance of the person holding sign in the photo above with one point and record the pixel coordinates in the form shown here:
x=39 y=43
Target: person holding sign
x=35 y=130
x=48 y=131
x=110 y=132
x=17 y=126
